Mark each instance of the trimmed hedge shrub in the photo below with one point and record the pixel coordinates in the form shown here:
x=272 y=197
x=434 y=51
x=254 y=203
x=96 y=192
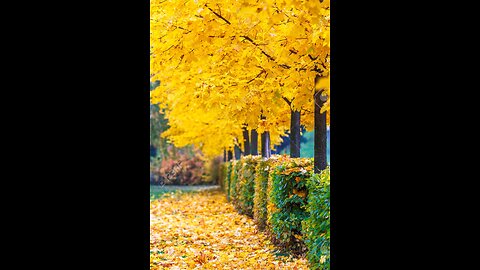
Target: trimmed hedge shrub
x=260 y=196
x=245 y=185
x=286 y=200
x=221 y=175
x=236 y=165
x=271 y=208
x=288 y=194
x=316 y=228
x=228 y=177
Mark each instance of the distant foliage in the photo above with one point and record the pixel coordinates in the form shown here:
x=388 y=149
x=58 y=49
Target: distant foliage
x=183 y=170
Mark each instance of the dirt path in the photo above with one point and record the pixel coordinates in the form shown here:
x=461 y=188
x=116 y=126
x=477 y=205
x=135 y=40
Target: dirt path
x=202 y=231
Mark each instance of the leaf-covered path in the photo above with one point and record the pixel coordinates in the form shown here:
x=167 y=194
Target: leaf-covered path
x=202 y=230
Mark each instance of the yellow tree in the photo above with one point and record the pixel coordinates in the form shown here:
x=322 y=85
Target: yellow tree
x=239 y=59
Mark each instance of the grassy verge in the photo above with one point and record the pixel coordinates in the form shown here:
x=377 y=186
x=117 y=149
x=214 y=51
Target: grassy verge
x=157 y=192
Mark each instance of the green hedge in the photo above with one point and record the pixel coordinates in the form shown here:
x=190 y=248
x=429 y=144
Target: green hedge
x=236 y=165
x=228 y=176
x=316 y=228
x=260 y=195
x=245 y=184
x=286 y=200
x=288 y=195
x=222 y=174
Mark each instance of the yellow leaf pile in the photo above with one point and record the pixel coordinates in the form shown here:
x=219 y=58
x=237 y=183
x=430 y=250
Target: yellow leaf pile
x=202 y=231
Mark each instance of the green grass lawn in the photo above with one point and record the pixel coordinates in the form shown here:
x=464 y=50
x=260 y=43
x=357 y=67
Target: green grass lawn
x=157 y=192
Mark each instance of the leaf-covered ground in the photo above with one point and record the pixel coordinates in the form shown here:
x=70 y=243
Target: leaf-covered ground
x=203 y=231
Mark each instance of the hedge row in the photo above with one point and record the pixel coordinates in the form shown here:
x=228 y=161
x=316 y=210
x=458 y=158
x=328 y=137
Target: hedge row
x=316 y=228
x=236 y=165
x=228 y=175
x=288 y=195
x=260 y=195
x=286 y=200
x=245 y=187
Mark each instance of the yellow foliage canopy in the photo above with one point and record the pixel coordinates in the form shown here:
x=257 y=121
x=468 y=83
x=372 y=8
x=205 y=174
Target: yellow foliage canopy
x=224 y=64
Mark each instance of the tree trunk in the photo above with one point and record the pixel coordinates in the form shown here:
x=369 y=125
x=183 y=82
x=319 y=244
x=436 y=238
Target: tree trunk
x=266 y=144
x=224 y=154
x=246 y=142
x=237 y=152
x=254 y=142
x=230 y=155
x=295 y=134
x=320 y=150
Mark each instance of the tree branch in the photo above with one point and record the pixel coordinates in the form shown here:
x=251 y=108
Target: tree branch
x=261 y=72
x=288 y=101
x=188 y=31
x=312 y=58
x=256 y=45
x=218 y=15
x=250 y=40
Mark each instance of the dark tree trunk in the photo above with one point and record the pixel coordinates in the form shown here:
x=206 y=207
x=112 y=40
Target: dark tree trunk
x=295 y=134
x=237 y=151
x=224 y=154
x=320 y=150
x=266 y=144
x=254 y=142
x=246 y=142
x=230 y=155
